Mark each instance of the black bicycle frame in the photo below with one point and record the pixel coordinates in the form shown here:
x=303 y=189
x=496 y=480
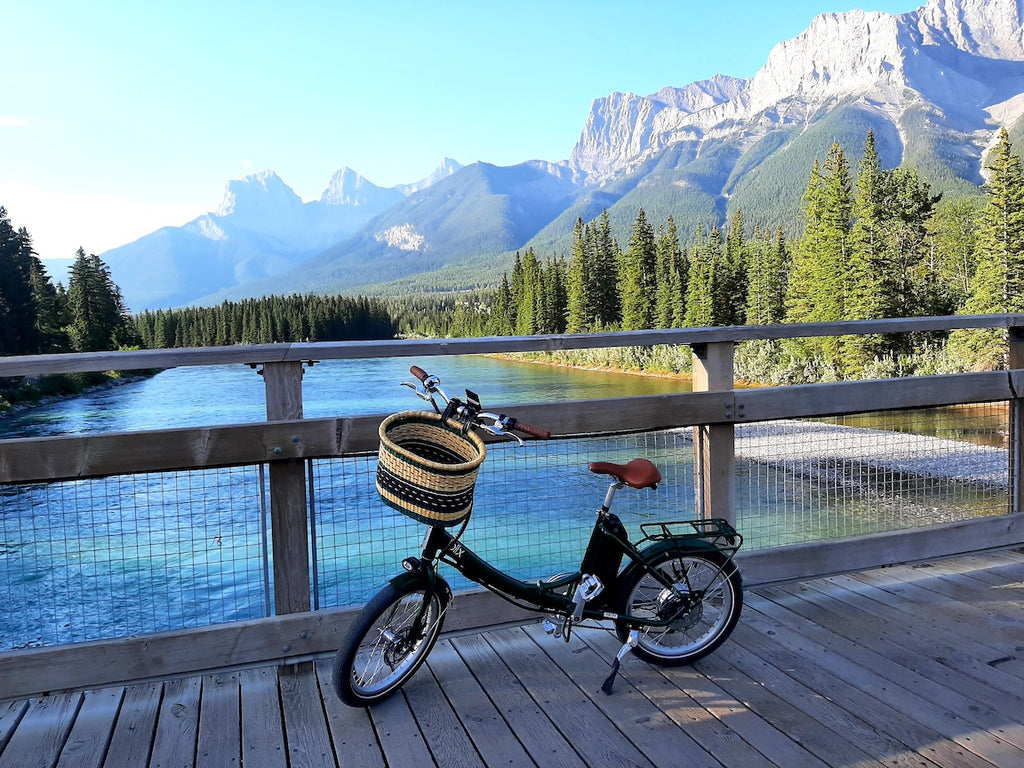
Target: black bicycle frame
x=545 y=596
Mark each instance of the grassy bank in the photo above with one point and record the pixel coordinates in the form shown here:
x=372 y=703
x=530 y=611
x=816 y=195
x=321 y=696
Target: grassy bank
x=27 y=391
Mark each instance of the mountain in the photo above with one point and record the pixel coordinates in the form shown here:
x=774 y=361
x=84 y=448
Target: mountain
x=934 y=85
x=471 y=216
x=260 y=230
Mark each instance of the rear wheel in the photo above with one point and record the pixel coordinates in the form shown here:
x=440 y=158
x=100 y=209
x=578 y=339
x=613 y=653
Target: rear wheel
x=388 y=643
x=705 y=595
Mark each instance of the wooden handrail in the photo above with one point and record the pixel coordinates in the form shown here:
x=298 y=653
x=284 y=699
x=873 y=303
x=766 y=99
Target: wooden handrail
x=35 y=365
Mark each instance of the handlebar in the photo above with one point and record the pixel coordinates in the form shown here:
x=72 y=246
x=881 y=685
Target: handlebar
x=499 y=424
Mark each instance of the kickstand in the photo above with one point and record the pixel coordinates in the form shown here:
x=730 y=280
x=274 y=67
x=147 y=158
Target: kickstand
x=627 y=646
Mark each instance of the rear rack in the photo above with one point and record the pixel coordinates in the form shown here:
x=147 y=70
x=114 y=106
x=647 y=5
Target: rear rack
x=715 y=531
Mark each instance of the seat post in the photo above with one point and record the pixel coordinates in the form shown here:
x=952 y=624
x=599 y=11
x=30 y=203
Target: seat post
x=610 y=496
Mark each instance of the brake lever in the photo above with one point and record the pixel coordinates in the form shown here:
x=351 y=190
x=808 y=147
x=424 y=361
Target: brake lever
x=420 y=393
x=494 y=429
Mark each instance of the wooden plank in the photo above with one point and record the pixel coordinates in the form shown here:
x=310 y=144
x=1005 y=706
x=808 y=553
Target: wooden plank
x=355 y=743
x=964 y=620
x=992 y=735
x=169 y=653
x=290 y=537
x=491 y=735
x=810 y=602
x=540 y=737
x=262 y=727
x=132 y=740
x=77 y=457
x=714 y=445
x=177 y=725
x=670 y=730
x=917 y=635
x=91 y=734
x=30 y=365
x=220 y=738
x=306 y=731
x=11 y=713
x=401 y=741
x=590 y=732
x=449 y=743
x=809 y=400
x=42 y=732
x=902 y=714
x=829 y=732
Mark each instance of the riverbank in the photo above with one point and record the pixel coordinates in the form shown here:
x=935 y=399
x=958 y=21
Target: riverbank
x=44 y=390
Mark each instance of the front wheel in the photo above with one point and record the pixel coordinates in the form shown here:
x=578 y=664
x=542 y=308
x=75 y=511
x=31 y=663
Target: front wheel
x=389 y=641
x=702 y=589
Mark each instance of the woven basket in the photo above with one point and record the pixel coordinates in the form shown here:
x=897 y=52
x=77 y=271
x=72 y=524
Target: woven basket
x=427 y=469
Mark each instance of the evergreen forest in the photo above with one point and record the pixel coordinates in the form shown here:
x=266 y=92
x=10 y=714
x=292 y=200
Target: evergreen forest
x=873 y=243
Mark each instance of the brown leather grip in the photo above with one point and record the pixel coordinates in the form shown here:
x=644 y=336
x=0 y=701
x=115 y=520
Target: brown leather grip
x=528 y=429
x=419 y=373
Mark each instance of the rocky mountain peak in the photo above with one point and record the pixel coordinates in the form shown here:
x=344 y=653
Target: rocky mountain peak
x=949 y=53
x=989 y=28
x=256 y=193
x=347 y=187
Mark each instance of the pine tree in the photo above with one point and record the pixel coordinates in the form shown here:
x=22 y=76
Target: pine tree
x=998 y=285
x=703 y=297
x=953 y=239
x=733 y=288
x=638 y=276
x=581 y=310
x=668 y=282
x=819 y=287
x=605 y=275
x=19 y=333
x=767 y=275
x=528 y=299
x=98 y=318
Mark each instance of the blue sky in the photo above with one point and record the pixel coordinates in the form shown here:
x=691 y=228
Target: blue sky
x=118 y=118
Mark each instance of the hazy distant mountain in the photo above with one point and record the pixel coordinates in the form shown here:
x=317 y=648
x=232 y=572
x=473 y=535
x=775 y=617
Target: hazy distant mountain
x=478 y=213
x=260 y=230
x=934 y=85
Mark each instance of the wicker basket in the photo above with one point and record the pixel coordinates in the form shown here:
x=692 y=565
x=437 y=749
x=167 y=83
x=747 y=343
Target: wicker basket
x=427 y=469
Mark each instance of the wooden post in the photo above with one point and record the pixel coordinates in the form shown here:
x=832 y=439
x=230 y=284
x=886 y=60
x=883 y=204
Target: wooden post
x=1015 y=359
x=714 y=445
x=288 y=519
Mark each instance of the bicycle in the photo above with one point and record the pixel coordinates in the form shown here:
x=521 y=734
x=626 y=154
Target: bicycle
x=676 y=599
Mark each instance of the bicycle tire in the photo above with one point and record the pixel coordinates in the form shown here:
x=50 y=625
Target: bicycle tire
x=695 y=633
x=379 y=653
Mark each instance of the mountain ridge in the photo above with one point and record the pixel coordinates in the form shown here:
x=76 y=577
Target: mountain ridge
x=933 y=84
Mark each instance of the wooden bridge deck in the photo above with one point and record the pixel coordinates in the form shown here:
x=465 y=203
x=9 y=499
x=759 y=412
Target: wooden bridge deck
x=904 y=666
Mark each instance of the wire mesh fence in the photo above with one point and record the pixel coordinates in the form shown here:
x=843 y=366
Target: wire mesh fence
x=106 y=558
x=796 y=481
x=97 y=559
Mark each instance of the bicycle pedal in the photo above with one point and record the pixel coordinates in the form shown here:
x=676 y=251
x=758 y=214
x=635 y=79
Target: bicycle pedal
x=551 y=628
x=589 y=588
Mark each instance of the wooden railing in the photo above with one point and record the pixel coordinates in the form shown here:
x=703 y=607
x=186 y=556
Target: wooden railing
x=286 y=440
